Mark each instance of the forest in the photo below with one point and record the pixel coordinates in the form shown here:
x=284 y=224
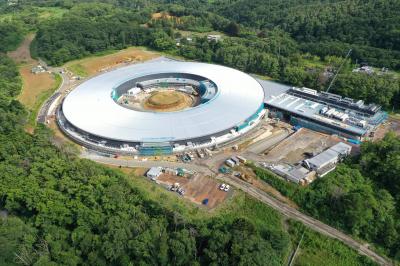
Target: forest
x=361 y=197
x=64 y=210
x=270 y=52
x=57 y=209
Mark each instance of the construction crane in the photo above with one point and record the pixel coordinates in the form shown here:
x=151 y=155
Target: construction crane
x=337 y=72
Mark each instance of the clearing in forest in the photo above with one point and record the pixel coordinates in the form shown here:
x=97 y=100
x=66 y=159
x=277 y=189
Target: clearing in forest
x=100 y=63
x=198 y=189
x=392 y=124
x=23 y=55
x=162 y=15
x=35 y=87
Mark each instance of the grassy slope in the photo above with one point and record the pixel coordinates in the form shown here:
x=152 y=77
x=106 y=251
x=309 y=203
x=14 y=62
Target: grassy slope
x=41 y=98
x=37 y=88
x=42 y=13
x=315 y=249
x=92 y=64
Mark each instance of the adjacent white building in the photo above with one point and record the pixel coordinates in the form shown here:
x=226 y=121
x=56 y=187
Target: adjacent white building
x=154 y=172
x=326 y=161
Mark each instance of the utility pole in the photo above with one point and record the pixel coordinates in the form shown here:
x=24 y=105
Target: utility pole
x=297 y=248
x=337 y=72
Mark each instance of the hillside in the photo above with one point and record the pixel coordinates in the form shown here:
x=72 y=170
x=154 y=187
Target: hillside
x=371 y=23
x=56 y=208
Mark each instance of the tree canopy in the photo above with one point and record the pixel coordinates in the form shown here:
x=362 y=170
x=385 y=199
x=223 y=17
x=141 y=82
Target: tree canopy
x=57 y=209
x=360 y=197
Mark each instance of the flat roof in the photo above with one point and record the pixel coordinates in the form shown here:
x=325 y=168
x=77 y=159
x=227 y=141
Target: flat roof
x=330 y=154
x=341 y=148
x=309 y=109
x=154 y=171
x=91 y=108
x=323 y=158
x=272 y=88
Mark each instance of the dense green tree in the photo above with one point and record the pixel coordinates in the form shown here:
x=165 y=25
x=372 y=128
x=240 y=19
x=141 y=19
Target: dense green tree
x=16 y=241
x=371 y=88
x=232 y=29
x=382 y=163
x=11 y=34
x=57 y=209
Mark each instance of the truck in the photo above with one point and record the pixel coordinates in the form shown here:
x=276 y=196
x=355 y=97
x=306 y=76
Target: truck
x=241 y=159
x=235 y=160
x=200 y=154
x=230 y=163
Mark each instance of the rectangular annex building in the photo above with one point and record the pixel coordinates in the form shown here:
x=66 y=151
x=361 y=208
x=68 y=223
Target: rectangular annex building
x=326 y=161
x=326 y=112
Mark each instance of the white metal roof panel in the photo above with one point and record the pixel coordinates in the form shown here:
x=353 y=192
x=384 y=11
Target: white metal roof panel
x=91 y=108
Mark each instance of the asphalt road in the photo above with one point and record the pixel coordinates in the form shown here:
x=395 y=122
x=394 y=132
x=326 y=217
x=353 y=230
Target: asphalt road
x=146 y=164
x=306 y=220
x=256 y=193
x=41 y=118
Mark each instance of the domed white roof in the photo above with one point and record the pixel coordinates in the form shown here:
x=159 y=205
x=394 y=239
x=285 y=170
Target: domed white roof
x=91 y=108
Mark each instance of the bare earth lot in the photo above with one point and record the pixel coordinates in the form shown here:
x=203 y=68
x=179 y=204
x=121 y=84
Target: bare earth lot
x=393 y=124
x=33 y=85
x=95 y=64
x=292 y=149
x=23 y=55
x=198 y=188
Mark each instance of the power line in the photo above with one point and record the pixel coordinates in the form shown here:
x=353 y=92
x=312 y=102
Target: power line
x=337 y=72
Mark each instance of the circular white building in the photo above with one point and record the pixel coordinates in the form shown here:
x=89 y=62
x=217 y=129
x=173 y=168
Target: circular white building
x=128 y=110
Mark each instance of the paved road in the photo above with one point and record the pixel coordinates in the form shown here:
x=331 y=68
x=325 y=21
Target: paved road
x=256 y=193
x=308 y=221
x=146 y=164
x=44 y=109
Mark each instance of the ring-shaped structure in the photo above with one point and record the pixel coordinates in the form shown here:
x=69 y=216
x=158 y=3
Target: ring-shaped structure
x=91 y=108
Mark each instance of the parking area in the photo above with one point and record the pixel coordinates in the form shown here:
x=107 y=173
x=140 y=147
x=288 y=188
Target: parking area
x=198 y=188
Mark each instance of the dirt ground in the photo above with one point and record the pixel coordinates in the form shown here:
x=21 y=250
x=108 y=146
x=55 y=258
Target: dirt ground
x=22 y=55
x=58 y=134
x=167 y=101
x=92 y=65
x=292 y=149
x=33 y=85
x=163 y=15
x=198 y=188
x=393 y=124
